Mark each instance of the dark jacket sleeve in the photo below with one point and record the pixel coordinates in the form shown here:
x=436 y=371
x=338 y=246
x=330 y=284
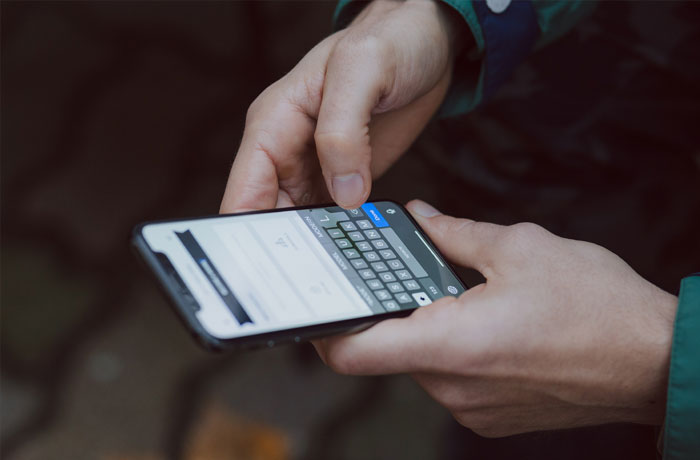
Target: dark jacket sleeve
x=682 y=426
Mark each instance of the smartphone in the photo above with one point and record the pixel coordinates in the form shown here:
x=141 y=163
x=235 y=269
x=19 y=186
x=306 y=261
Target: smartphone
x=288 y=275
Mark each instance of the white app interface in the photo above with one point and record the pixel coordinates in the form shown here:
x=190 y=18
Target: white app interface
x=277 y=271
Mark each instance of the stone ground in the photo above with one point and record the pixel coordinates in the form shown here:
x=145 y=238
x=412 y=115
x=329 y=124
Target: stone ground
x=119 y=112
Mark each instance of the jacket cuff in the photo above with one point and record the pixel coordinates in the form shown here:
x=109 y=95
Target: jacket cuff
x=504 y=38
x=682 y=425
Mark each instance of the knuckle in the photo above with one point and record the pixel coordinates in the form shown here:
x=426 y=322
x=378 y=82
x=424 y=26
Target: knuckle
x=524 y=236
x=361 y=46
x=442 y=311
x=342 y=148
x=336 y=141
x=254 y=109
x=257 y=107
x=457 y=225
x=451 y=227
x=251 y=112
x=528 y=230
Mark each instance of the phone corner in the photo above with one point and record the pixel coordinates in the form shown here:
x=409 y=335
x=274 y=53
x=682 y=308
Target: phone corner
x=208 y=343
x=389 y=200
x=136 y=235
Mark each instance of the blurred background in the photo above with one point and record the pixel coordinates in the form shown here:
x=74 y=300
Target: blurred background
x=119 y=112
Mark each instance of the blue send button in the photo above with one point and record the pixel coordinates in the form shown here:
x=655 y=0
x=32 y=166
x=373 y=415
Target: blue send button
x=372 y=211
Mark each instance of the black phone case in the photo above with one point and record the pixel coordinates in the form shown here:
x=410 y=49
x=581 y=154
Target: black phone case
x=184 y=311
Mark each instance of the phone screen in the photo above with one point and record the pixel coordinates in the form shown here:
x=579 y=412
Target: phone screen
x=263 y=272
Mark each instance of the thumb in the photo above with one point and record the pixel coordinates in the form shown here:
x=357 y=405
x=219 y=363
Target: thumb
x=353 y=85
x=463 y=241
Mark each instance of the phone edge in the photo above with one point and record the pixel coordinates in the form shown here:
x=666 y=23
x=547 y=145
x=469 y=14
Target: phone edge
x=294 y=335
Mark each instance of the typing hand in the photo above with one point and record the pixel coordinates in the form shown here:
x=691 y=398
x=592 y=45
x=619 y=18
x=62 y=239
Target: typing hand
x=563 y=333
x=346 y=112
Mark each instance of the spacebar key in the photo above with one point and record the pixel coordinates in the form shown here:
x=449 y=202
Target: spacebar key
x=403 y=251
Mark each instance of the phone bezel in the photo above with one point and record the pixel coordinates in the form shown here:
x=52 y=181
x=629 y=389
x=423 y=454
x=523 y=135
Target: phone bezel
x=297 y=334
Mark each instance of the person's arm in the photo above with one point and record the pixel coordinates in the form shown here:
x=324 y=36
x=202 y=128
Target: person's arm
x=502 y=34
x=682 y=425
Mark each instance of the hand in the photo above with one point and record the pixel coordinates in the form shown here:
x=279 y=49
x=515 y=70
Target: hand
x=563 y=333
x=347 y=111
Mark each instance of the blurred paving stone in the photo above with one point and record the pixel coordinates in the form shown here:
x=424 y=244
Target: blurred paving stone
x=42 y=300
x=19 y=399
x=220 y=434
x=268 y=385
x=119 y=394
x=404 y=423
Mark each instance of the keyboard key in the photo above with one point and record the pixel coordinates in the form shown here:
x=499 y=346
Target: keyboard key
x=366 y=274
x=380 y=244
x=430 y=287
x=403 y=275
x=403 y=297
x=383 y=294
x=372 y=234
x=411 y=285
x=335 y=233
x=422 y=298
x=395 y=264
x=359 y=263
x=343 y=243
x=329 y=219
x=388 y=254
x=364 y=246
x=394 y=287
x=351 y=253
x=374 y=284
x=336 y=212
x=387 y=277
x=390 y=305
x=364 y=224
x=379 y=266
x=400 y=248
x=357 y=212
x=348 y=226
x=371 y=256
x=356 y=236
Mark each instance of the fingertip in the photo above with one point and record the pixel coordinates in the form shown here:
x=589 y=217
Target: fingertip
x=422 y=209
x=319 y=345
x=349 y=191
x=284 y=200
x=345 y=160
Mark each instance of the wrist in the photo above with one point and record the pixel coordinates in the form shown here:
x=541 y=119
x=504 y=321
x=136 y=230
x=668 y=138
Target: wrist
x=657 y=336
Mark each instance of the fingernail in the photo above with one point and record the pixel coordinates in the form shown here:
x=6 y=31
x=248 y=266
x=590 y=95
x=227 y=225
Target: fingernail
x=423 y=209
x=348 y=190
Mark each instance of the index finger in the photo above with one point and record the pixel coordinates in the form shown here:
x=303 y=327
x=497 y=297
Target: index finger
x=273 y=139
x=392 y=346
